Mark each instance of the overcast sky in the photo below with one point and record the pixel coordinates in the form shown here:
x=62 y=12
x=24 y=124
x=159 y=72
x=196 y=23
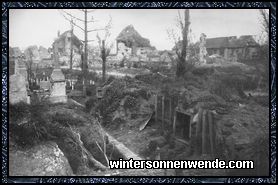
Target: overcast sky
x=40 y=26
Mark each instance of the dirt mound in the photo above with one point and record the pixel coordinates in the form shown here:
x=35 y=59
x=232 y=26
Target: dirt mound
x=244 y=135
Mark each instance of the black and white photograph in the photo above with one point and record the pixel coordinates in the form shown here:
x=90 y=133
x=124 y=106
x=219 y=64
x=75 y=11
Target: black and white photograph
x=139 y=92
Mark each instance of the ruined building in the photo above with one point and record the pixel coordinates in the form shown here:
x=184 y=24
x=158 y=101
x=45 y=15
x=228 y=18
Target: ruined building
x=131 y=44
x=62 y=48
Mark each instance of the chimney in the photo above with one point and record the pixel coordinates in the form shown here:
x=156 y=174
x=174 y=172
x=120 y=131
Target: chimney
x=58 y=33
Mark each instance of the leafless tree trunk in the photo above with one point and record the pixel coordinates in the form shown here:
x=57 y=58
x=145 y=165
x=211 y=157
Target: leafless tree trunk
x=181 y=45
x=265 y=17
x=103 y=57
x=263 y=66
x=29 y=63
x=69 y=17
x=181 y=65
x=104 y=52
x=71 y=45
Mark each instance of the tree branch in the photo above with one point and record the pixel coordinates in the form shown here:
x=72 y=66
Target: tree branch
x=72 y=22
x=82 y=20
x=98 y=29
x=87 y=40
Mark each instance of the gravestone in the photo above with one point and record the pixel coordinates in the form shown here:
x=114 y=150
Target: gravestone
x=18 y=84
x=58 y=86
x=18 y=89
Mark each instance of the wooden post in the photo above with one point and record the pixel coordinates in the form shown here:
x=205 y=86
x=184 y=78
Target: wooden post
x=199 y=132
x=162 y=101
x=190 y=129
x=211 y=132
x=156 y=113
x=170 y=110
x=174 y=124
x=204 y=132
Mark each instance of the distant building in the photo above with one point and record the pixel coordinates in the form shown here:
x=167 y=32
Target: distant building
x=16 y=62
x=244 y=47
x=229 y=48
x=130 y=44
x=32 y=53
x=166 y=57
x=62 y=48
x=123 y=51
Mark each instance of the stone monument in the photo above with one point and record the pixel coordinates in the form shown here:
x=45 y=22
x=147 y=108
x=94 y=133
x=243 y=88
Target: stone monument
x=18 y=89
x=58 y=86
x=18 y=84
x=203 y=50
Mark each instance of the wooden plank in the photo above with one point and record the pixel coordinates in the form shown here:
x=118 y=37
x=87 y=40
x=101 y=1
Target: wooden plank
x=142 y=126
x=182 y=141
x=198 y=147
x=174 y=123
x=190 y=126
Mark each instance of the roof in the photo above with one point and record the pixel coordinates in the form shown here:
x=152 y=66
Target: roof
x=57 y=75
x=230 y=42
x=75 y=39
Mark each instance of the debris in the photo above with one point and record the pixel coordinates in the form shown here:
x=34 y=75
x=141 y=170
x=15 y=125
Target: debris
x=195 y=118
x=162 y=75
x=146 y=122
x=76 y=103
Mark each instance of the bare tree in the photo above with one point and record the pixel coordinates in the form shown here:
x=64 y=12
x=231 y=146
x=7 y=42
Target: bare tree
x=265 y=20
x=105 y=50
x=262 y=66
x=84 y=55
x=181 y=44
x=29 y=64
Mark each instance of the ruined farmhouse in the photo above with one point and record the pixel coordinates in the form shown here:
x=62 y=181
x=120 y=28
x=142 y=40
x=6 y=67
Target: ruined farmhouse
x=131 y=45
